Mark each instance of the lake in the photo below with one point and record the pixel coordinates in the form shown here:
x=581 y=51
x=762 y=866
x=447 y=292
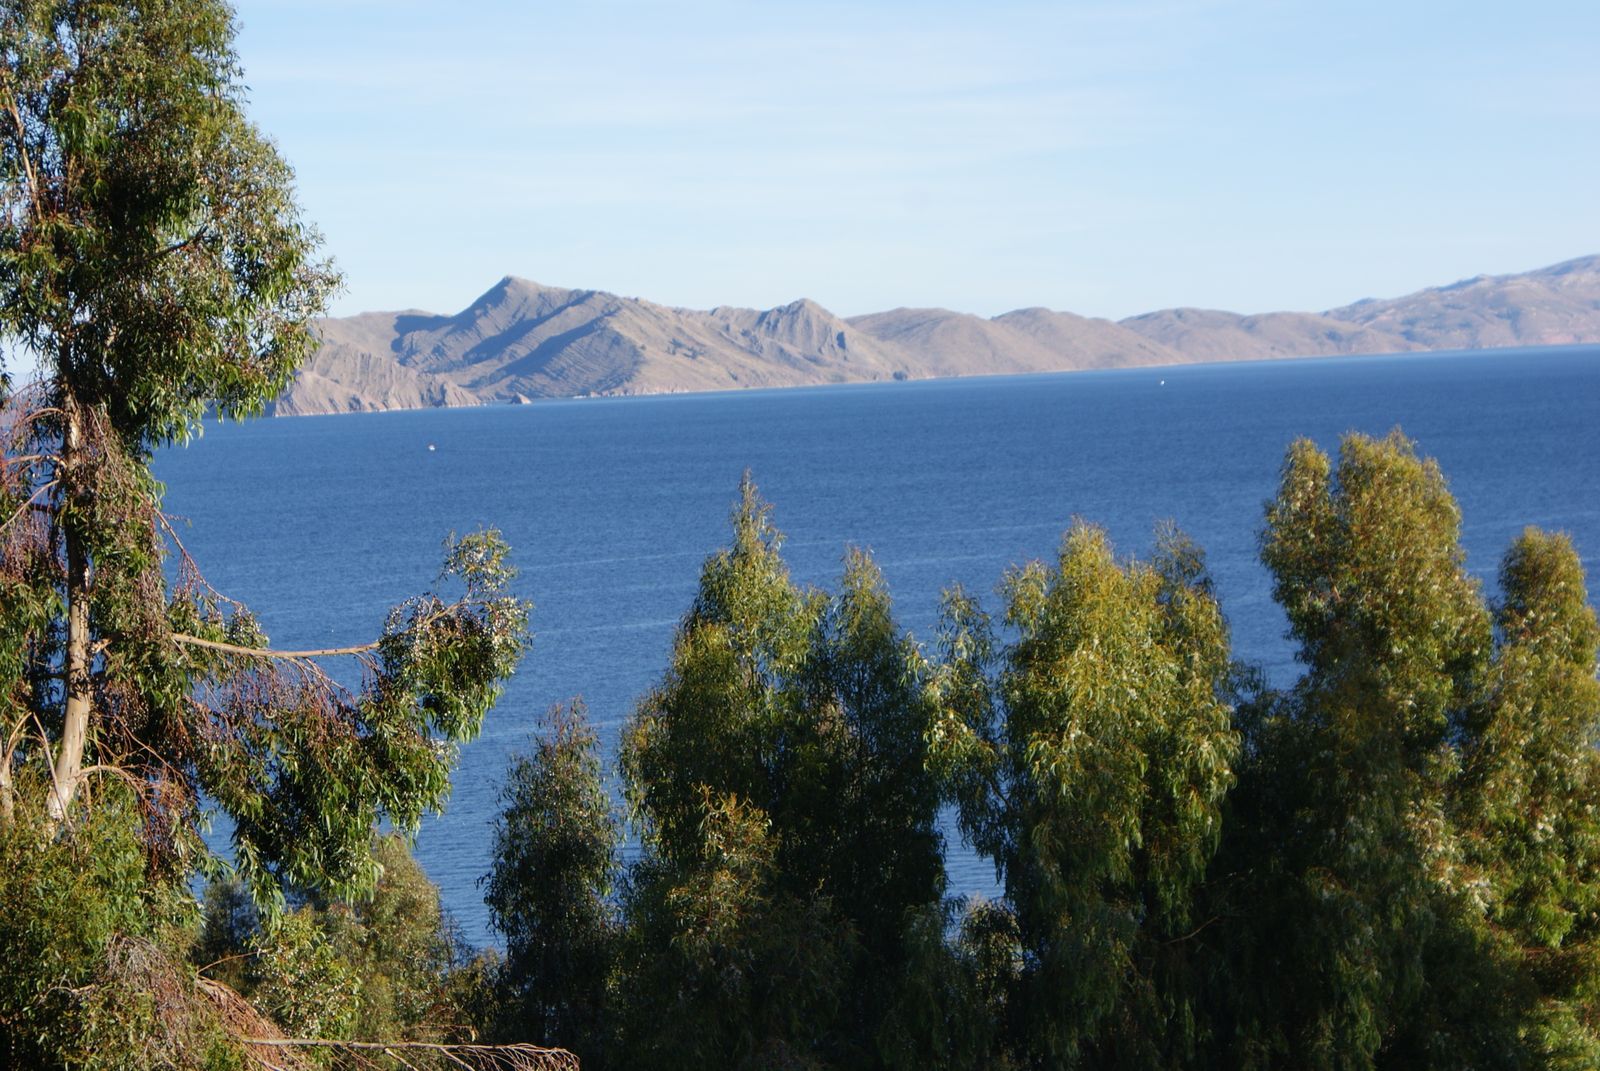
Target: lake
x=321 y=523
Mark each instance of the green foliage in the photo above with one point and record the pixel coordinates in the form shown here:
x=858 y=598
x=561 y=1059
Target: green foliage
x=1528 y=801
x=1389 y=864
x=1359 y=937
x=950 y=1005
x=92 y=949
x=549 y=892
x=1094 y=774
x=154 y=264
x=302 y=983
x=780 y=780
x=377 y=969
x=306 y=769
x=1367 y=563
x=1530 y=753
x=151 y=253
x=721 y=969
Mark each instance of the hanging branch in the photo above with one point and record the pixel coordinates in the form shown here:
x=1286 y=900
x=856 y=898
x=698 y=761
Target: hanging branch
x=191 y=568
x=20 y=510
x=515 y=1057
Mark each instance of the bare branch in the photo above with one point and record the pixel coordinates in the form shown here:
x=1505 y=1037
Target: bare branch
x=226 y=959
x=267 y=652
x=180 y=245
x=22 y=147
x=117 y=771
x=516 y=1057
x=50 y=762
x=295 y=656
x=29 y=504
x=1195 y=932
x=17 y=462
x=8 y=805
x=188 y=559
x=42 y=411
x=15 y=736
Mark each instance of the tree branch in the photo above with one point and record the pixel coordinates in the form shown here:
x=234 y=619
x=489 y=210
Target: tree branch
x=518 y=1055
x=20 y=510
x=22 y=147
x=177 y=246
x=17 y=462
x=8 y=804
x=50 y=762
x=187 y=640
x=42 y=411
x=188 y=559
x=267 y=652
x=115 y=771
x=1195 y=932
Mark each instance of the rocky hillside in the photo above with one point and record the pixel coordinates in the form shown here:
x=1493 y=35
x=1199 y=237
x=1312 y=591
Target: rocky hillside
x=1554 y=306
x=521 y=341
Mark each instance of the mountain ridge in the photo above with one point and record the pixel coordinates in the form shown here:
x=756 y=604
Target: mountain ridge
x=520 y=340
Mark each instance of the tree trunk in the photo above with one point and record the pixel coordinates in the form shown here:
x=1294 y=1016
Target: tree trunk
x=8 y=798
x=80 y=683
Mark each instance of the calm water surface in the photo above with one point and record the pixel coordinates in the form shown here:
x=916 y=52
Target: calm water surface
x=321 y=523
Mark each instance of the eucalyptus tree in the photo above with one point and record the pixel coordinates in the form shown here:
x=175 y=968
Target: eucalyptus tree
x=154 y=263
x=1356 y=940
x=780 y=781
x=1092 y=768
x=1528 y=799
x=155 y=268
x=551 y=892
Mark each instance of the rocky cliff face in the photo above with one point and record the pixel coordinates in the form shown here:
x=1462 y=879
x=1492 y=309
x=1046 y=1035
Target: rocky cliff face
x=521 y=341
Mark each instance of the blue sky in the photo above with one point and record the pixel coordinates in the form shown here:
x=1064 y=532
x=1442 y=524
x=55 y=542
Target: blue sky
x=1104 y=158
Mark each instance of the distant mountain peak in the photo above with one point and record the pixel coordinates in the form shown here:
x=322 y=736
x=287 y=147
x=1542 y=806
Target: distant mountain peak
x=1589 y=265
x=1462 y=284
x=508 y=286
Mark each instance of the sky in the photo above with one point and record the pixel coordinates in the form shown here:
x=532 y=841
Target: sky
x=1102 y=158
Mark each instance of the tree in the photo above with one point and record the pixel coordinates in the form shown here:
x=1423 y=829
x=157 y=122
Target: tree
x=550 y=892
x=1093 y=771
x=153 y=262
x=780 y=779
x=377 y=969
x=1528 y=800
x=155 y=266
x=152 y=259
x=1353 y=939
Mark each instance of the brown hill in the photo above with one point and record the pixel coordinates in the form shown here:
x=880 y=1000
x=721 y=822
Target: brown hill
x=1553 y=306
x=1210 y=335
x=938 y=342
x=521 y=341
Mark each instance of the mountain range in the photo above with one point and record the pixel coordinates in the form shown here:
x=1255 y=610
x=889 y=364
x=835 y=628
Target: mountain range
x=520 y=341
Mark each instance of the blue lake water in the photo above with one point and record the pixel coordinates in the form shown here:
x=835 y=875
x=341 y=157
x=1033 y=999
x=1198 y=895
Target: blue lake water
x=321 y=523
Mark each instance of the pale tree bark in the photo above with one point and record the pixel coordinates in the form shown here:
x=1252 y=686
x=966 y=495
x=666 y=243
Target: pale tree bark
x=79 y=681
x=8 y=792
